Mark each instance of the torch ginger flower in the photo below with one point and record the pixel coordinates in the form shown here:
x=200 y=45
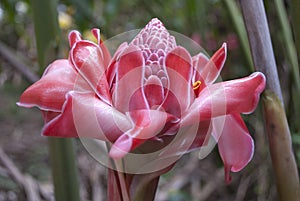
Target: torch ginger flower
x=145 y=93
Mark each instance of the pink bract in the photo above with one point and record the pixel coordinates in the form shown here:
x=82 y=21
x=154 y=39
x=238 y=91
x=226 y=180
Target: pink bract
x=144 y=94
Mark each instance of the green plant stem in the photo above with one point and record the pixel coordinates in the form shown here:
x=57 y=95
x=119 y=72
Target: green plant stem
x=239 y=25
x=64 y=171
x=47 y=33
x=124 y=186
x=143 y=186
x=285 y=168
x=147 y=190
x=131 y=187
x=283 y=159
x=260 y=42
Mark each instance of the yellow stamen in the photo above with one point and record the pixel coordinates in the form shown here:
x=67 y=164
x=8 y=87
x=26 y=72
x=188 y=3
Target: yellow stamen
x=196 y=84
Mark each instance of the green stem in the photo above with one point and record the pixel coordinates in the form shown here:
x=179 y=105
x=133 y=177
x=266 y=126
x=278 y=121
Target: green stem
x=239 y=25
x=285 y=168
x=143 y=186
x=47 y=32
x=122 y=179
x=260 y=42
x=283 y=160
x=64 y=171
x=147 y=191
x=132 y=187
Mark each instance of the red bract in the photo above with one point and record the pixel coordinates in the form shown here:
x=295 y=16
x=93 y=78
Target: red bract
x=142 y=97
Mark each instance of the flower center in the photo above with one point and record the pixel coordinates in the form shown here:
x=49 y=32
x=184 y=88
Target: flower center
x=155 y=42
x=196 y=84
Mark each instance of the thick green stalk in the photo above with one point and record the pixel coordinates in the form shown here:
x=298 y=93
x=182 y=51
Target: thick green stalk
x=239 y=25
x=47 y=33
x=283 y=160
x=131 y=187
x=260 y=42
x=147 y=189
x=64 y=171
x=143 y=186
x=285 y=168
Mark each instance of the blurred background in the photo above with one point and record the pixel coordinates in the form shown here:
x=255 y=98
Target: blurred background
x=207 y=22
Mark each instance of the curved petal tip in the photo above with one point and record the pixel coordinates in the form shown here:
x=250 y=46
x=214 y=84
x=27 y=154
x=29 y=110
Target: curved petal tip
x=235 y=144
x=121 y=147
x=96 y=33
x=74 y=36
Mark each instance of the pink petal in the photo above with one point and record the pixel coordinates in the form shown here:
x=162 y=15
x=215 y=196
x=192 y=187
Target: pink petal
x=49 y=115
x=106 y=54
x=147 y=124
x=154 y=91
x=112 y=67
x=74 y=37
x=96 y=33
x=129 y=59
x=187 y=138
x=178 y=64
x=171 y=104
x=180 y=61
x=236 y=146
x=202 y=136
x=84 y=115
x=212 y=69
x=49 y=92
x=199 y=61
x=128 y=92
x=235 y=96
x=87 y=59
x=121 y=147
